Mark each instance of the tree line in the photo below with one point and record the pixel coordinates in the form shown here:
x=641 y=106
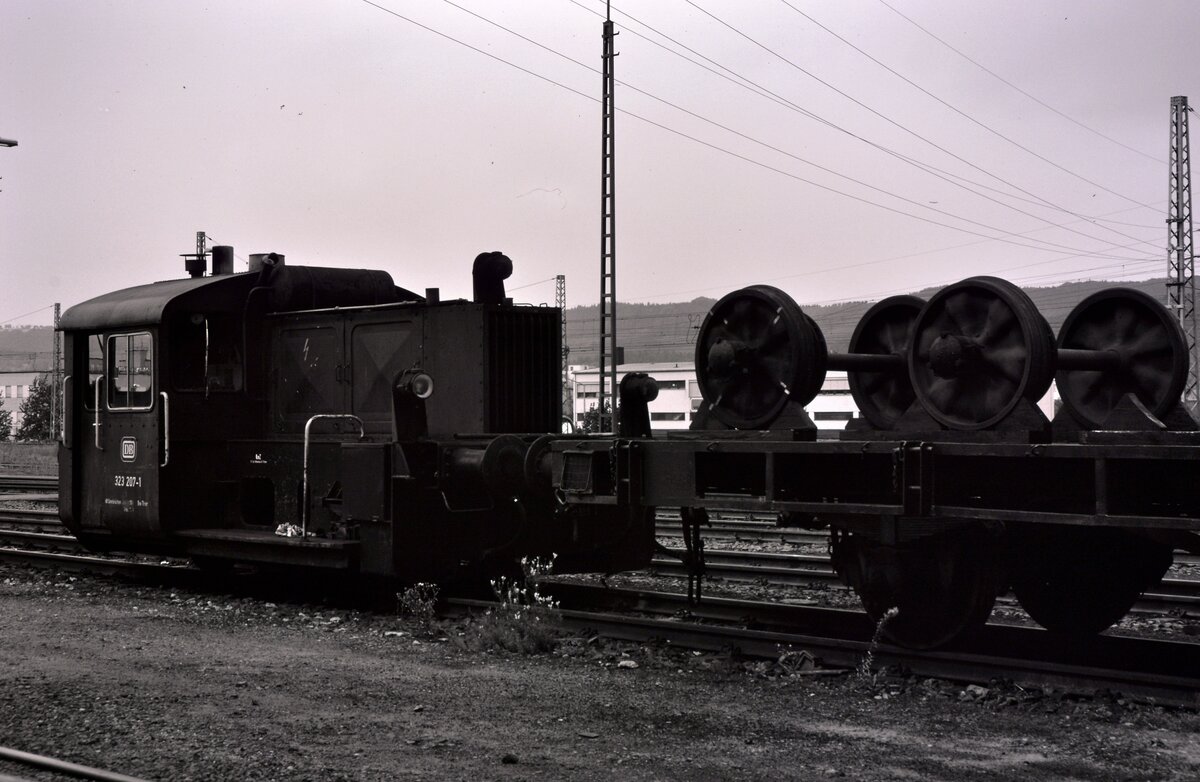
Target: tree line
x=36 y=421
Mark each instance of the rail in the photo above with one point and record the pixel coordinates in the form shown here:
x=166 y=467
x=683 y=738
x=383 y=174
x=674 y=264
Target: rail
x=63 y=767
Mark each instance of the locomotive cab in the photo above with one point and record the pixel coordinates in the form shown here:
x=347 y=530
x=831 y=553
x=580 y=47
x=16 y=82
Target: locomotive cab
x=139 y=361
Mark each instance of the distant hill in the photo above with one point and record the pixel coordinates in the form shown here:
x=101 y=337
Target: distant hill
x=26 y=349
x=650 y=333
x=656 y=333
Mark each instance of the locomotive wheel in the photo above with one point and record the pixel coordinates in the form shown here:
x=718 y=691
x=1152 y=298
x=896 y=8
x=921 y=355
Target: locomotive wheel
x=1147 y=339
x=979 y=347
x=886 y=329
x=755 y=352
x=943 y=586
x=1082 y=581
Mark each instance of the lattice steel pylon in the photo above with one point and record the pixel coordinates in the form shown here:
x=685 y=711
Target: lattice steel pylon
x=1181 y=283
x=56 y=377
x=560 y=301
x=608 y=239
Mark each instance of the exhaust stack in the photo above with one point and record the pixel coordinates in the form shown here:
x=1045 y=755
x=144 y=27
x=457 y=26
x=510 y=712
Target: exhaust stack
x=488 y=274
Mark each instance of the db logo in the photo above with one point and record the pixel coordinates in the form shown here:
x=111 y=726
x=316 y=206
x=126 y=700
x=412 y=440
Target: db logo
x=128 y=449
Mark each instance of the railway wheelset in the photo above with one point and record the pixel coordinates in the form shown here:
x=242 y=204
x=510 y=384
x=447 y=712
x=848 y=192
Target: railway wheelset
x=951 y=385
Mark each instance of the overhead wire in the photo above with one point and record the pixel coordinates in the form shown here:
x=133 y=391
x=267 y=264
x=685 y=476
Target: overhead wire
x=778 y=150
x=959 y=111
x=879 y=114
x=27 y=314
x=530 y=284
x=680 y=133
x=1008 y=83
x=758 y=89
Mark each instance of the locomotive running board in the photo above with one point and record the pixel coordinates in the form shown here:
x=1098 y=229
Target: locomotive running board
x=267 y=547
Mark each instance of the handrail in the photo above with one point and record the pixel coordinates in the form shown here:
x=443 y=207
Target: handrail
x=166 y=428
x=96 y=425
x=362 y=432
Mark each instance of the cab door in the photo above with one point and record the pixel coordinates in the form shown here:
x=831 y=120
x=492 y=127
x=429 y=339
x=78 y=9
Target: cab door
x=119 y=446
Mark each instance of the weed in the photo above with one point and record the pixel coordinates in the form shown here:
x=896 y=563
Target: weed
x=419 y=602
x=525 y=621
x=866 y=672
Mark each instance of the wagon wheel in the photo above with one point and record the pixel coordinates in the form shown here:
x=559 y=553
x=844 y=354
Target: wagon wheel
x=1150 y=349
x=979 y=346
x=943 y=586
x=886 y=329
x=755 y=352
x=815 y=376
x=1082 y=581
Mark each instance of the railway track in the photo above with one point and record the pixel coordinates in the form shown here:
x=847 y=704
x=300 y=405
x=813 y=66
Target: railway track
x=29 y=483
x=1162 y=670
x=838 y=638
x=39 y=529
x=1172 y=595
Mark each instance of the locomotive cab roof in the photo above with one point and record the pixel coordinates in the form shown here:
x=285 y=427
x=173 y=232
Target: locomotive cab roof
x=145 y=305
x=290 y=288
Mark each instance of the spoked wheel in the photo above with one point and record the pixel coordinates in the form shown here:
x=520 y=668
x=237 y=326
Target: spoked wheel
x=979 y=347
x=943 y=586
x=886 y=329
x=1148 y=347
x=1080 y=581
x=755 y=352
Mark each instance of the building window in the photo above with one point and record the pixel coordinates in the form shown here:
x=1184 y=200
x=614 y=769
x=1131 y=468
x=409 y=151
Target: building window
x=668 y=416
x=694 y=390
x=674 y=384
x=836 y=415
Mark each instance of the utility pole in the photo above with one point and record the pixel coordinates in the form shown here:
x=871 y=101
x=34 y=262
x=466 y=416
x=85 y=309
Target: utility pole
x=1181 y=283
x=609 y=353
x=56 y=371
x=560 y=301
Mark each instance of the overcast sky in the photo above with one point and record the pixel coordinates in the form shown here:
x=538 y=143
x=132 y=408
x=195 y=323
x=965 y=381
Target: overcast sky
x=758 y=142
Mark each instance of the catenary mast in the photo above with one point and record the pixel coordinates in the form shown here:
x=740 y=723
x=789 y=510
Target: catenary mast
x=609 y=353
x=1181 y=283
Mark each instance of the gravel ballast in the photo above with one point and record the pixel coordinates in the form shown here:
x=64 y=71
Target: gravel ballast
x=168 y=684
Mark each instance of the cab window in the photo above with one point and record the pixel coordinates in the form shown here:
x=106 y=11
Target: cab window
x=129 y=374
x=206 y=353
x=95 y=368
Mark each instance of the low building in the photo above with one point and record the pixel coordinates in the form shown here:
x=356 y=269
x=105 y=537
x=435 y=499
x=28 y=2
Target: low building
x=679 y=396
x=14 y=390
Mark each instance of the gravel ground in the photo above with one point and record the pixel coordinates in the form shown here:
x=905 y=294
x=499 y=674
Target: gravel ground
x=168 y=684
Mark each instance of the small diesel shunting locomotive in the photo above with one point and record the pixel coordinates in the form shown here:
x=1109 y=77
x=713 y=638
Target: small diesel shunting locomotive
x=327 y=418
x=324 y=417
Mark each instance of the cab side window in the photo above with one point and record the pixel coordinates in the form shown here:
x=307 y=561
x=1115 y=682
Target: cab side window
x=129 y=372
x=205 y=353
x=95 y=369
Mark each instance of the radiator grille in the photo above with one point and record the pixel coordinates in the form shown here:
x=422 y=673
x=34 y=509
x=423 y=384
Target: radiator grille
x=525 y=384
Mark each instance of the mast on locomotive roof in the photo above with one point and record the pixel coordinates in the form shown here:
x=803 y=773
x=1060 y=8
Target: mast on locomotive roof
x=609 y=352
